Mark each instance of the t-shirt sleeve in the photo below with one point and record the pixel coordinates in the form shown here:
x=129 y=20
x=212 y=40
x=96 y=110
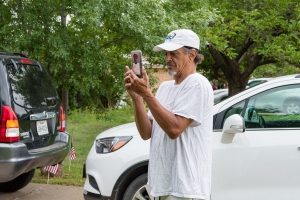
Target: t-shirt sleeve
x=150 y=116
x=190 y=104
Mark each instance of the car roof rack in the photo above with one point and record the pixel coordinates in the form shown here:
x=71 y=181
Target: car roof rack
x=13 y=54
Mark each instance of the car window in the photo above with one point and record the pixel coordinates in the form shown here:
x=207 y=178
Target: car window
x=275 y=108
x=31 y=86
x=236 y=109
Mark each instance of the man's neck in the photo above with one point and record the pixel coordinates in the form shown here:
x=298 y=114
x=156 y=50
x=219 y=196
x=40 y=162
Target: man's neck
x=180 y=77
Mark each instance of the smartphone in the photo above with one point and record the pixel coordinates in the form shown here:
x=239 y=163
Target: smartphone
x=136 y=63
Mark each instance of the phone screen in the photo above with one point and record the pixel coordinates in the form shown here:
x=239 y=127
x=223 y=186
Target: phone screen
x=136 y=61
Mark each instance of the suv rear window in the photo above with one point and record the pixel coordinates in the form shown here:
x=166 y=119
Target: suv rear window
x=31 y=86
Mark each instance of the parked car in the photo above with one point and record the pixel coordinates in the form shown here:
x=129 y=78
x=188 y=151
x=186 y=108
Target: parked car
x=256 y=151
x=32 y=126
x=221 y=94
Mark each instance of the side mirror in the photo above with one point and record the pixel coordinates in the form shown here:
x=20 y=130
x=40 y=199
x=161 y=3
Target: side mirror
x=233 y=124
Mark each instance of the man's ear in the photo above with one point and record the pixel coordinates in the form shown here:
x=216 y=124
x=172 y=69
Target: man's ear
x=192 y=54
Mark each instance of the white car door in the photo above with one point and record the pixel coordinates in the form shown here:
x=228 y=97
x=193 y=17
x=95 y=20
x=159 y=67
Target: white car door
x=264 y=161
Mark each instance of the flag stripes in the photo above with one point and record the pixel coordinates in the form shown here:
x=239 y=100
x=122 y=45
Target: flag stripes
x=72 y=152
x=52 y=169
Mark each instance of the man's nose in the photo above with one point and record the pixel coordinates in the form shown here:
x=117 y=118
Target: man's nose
x=168 y=57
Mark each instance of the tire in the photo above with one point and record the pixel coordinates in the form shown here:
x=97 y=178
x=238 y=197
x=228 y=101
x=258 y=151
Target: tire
x=17 y=183
x=137 y=189
x=292 y=107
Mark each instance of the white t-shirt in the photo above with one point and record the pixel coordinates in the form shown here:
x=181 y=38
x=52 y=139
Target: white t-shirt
x=182 y=167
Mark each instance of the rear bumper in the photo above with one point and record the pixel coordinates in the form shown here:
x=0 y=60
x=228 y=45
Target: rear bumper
x=15 y=159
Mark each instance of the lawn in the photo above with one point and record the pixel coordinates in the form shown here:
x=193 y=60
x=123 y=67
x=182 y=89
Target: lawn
x=83 y=128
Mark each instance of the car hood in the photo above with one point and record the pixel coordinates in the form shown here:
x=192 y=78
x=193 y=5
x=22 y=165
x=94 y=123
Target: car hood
x=122 y=130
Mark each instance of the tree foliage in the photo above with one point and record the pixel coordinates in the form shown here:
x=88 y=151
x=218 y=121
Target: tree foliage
x=87 y=56
x=251 y=34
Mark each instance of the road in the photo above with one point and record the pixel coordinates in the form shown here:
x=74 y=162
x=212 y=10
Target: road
x=35 y=191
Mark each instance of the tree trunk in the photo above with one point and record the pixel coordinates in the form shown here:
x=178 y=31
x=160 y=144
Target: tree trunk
x=237 y=80
x=236 y=85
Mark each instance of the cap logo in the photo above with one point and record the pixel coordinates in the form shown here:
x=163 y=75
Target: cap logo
x=171 y=35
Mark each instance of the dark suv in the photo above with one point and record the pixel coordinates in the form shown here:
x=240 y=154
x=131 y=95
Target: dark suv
x=32 y=126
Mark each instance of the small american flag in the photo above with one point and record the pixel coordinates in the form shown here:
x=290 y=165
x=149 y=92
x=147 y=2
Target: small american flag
x=52 y=169
x=72 y=152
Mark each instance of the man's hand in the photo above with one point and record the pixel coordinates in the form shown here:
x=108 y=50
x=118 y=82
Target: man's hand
x=127 y=81
x=136 y=86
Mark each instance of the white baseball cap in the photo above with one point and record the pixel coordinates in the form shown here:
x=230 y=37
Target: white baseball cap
x=179 y=38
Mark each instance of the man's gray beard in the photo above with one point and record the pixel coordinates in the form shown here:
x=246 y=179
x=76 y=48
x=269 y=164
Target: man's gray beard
x=171 y=73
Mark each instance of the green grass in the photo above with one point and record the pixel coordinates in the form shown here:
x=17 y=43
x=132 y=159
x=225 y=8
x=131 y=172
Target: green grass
x=83 y=128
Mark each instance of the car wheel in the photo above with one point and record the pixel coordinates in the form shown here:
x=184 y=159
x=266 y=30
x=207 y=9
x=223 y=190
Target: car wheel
x=292 y=107
x=137 y=189
x=17 y=183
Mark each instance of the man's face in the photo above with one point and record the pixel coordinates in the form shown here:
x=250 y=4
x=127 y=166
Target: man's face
x=176 y=61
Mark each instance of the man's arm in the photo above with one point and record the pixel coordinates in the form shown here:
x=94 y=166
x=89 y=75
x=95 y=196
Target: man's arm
x=173 y=125
x=143 y=123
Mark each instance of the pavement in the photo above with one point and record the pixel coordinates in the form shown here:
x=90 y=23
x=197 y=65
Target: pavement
x=34 y=191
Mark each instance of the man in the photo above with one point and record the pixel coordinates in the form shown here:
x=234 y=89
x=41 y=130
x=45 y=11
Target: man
x=179 y=121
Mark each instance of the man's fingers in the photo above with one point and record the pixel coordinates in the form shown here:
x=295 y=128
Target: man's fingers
x=128 y=75
x=144 y=73
x=128 y=71
x=145 y=77
x=127 y=79
x=127 y=86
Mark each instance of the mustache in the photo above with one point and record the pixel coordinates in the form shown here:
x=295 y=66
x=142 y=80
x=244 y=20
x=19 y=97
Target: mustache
x=170 y=63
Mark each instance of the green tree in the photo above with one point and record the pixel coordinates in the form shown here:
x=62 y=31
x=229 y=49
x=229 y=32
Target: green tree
x=252 y=34
x=86 y=55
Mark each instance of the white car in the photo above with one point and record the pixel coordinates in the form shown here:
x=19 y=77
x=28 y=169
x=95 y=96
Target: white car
x=221 y=94
x=256 y=150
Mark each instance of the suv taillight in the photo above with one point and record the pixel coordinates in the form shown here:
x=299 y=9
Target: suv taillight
x=62 y=118
x=9 y=125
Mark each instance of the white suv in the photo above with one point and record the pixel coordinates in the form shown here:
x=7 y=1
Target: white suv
x=256 y=149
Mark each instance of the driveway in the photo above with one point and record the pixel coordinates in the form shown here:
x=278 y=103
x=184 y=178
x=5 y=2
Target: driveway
x=35 y=191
